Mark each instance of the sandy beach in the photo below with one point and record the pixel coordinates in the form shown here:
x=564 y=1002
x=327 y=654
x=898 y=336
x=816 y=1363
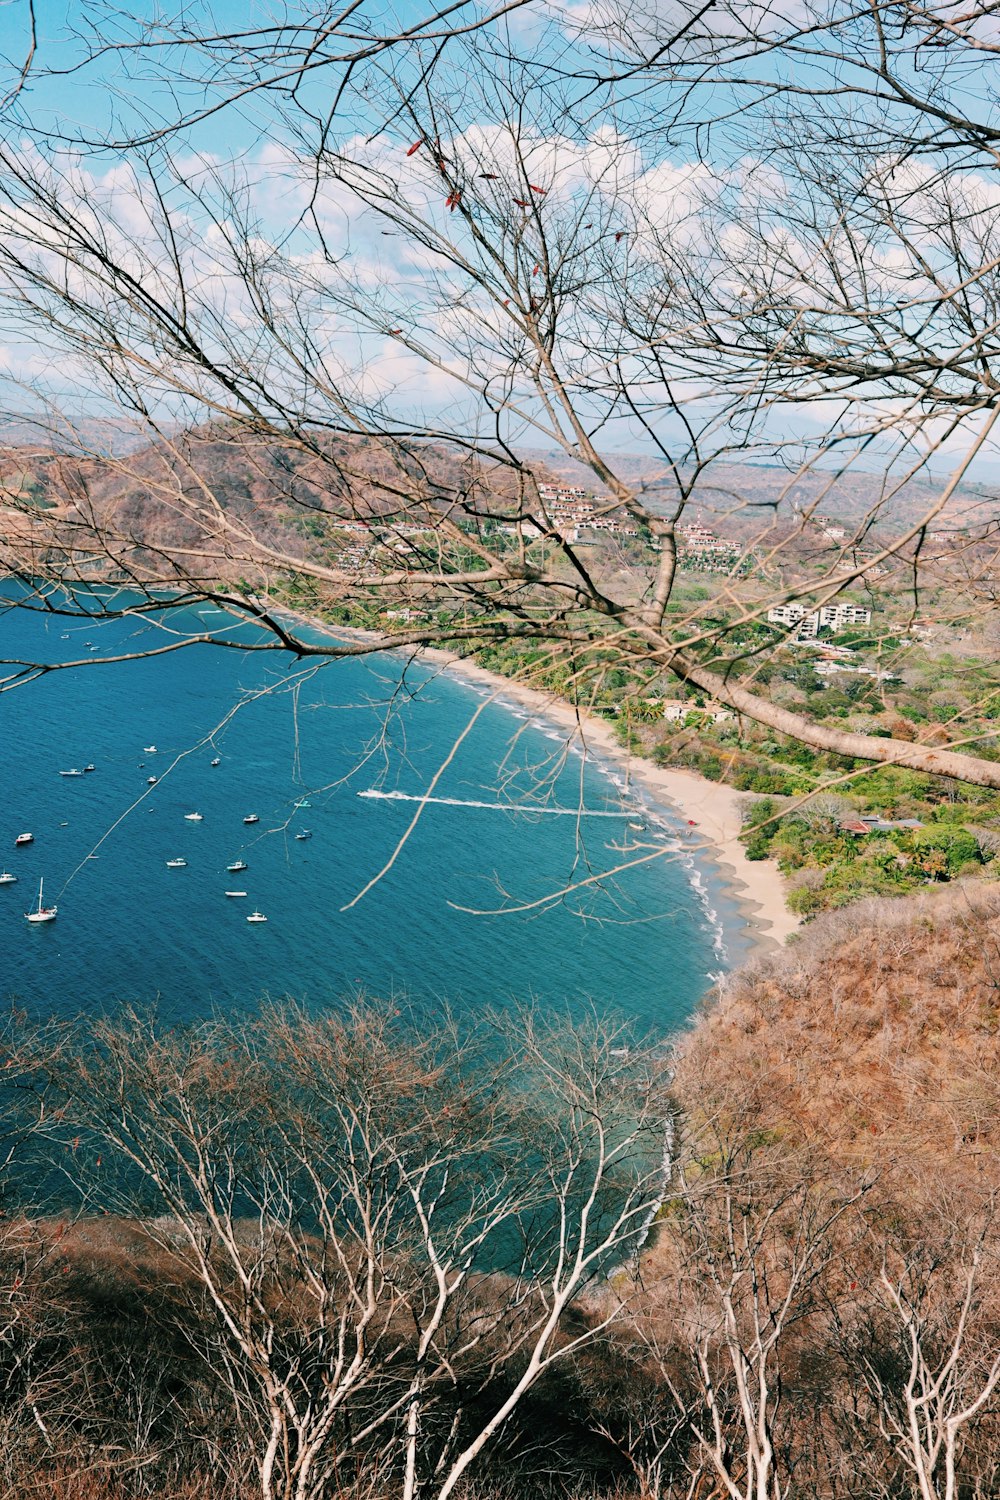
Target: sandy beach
x=757 y=885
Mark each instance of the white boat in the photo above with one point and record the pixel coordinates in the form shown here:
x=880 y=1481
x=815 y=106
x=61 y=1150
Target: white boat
x=193 y=818
x=236 y=893
x=89 y=768
x=251 y=818
x=42 y=913
x=256 y=916
x=149 y=749
x=303 y=802
x=152 y=780
x=176 y=864
x=6 y=878
x=237 y=864
x=24 y=838
x=217 y=761
x=73 y=772
x=306 y=833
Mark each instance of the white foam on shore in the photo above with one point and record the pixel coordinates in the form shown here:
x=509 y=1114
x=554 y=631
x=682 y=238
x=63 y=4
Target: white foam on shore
x=668 y=829
x=632 y=804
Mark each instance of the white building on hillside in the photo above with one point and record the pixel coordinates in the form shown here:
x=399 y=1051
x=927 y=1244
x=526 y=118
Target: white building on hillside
x=807 y=623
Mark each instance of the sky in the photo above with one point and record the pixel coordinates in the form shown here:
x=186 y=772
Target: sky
x=391 y=272
x=66 y=98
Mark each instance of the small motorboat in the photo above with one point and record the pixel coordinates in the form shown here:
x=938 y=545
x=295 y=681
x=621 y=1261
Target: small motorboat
x=306 y=833
x=194 y=817
x=256 y=916
x=176 y=864
x=24 y=838
x=217 y=761
x=149 y=749
x=251 y=818
x=303 y=802
x=73 y=772
x=152 y=780
x=41 y=913
x=89 y=768
x=6 y=878
x=237 y=865
x=236 y=893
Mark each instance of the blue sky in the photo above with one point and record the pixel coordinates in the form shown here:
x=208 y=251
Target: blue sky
x=92 y=101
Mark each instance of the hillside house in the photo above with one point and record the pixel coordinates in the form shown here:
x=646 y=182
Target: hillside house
x=676 y=710
x=871 y=823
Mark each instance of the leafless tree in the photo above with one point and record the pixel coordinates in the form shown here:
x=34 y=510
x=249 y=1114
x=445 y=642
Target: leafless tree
x=388 y=1231
x=484 y=243
x=733 y=1289
x=928 y=1360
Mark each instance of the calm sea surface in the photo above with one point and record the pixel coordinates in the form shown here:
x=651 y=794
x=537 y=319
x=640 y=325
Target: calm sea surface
x=644 y=942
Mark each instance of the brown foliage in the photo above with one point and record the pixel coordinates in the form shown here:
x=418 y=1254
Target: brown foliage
x=872 y=1041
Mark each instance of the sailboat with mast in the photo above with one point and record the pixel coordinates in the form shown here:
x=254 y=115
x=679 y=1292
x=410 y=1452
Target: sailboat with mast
x=42 y=913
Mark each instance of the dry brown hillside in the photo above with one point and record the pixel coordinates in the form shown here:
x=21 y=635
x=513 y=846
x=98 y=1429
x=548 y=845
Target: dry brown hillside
x=873 y=1039
x=216 y=503
x=818 y=1314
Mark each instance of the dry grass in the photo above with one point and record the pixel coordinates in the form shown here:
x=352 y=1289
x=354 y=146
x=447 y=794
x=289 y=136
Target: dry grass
x=872 y=1040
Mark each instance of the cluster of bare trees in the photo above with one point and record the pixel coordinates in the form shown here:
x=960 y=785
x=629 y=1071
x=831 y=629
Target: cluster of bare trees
x=379 y=263
x=362 y=1244
x=307 y=1256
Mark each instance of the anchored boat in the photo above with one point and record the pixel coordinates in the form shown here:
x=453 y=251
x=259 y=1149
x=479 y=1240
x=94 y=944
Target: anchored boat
x=42 y=913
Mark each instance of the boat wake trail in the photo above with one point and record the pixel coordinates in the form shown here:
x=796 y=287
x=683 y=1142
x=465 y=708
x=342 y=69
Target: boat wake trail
x=506 y=807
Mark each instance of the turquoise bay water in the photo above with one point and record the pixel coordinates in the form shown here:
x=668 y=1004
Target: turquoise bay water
x=644 y=943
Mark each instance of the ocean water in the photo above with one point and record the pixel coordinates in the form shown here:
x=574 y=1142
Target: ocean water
x=523 y=878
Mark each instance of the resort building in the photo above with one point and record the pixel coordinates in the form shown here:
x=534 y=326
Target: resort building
x=808 y=623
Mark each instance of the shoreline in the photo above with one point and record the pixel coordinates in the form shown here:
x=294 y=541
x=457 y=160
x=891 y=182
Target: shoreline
x=756 y=887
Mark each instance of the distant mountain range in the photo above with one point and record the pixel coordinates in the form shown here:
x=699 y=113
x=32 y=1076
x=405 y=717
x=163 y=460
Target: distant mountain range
x=163 y=493
x=57 y=435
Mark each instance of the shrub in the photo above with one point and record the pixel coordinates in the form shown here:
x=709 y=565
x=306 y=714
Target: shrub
x=758 y=847
x=805 y=902
x=957 y=846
